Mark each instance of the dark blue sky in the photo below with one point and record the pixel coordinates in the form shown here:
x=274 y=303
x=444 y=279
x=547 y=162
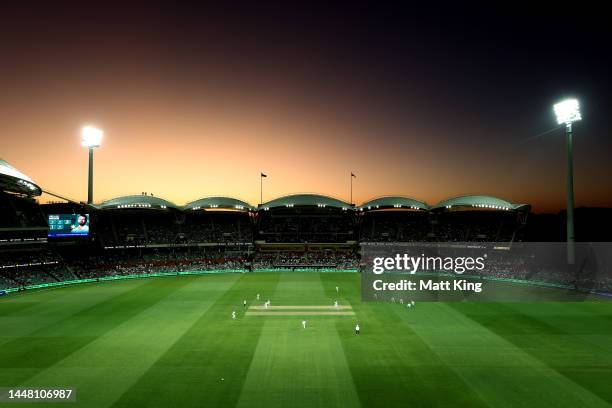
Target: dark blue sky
x=462 y=91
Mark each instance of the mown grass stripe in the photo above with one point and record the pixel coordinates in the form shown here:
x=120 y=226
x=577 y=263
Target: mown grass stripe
x=135 y=345
x=502 y=373
x=49 y=345
x=189 y=373
x=50 y=307
x=296 y=367
x=394 y=367
x=539 y=331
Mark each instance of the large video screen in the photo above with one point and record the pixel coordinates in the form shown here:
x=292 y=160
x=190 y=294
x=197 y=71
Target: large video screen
x=67 y=225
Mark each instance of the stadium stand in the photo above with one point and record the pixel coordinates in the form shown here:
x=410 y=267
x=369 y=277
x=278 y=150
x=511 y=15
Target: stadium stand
x=315 y=260
x=306 y=218
x=394 y=219
x=461 y=219
x=21 y=220
x=478 y=219
x=137 y=220
x=146 y=220
x=147 y=235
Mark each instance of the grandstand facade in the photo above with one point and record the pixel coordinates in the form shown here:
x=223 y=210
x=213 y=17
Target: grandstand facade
x=143 y=234
x=297 y=220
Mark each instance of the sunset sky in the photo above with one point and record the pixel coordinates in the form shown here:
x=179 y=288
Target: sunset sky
x=196 y=101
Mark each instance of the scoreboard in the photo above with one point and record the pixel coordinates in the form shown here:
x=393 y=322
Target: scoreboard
x=67 y=225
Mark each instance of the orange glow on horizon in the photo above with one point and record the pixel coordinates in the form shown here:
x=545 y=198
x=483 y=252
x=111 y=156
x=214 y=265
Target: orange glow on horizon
x=182 y=146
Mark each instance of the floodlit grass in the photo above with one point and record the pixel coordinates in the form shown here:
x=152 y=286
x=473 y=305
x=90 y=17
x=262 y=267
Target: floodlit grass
x=171 y=342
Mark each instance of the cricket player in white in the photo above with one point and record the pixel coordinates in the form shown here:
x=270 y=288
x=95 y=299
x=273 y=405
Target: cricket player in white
x=244 y=303
x=337 y=289
x=357 y=329
x=233 y=314
x=304 y=324
x=258 y=296
x=335 y=303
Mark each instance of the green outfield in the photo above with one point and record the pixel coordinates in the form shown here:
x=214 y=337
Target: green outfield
x=171 y=342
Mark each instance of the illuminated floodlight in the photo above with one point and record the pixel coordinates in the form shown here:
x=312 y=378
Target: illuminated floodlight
x=567 y=111
x=91 y=137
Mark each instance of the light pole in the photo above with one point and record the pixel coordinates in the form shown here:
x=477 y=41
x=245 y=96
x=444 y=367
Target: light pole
x=568 y=112
x=91 y=138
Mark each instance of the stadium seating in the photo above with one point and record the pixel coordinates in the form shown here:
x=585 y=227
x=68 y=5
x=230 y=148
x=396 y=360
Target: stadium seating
x=338 y=260
x=305 y=232
x=306 y=225
x=20 y=218
x=137 y=227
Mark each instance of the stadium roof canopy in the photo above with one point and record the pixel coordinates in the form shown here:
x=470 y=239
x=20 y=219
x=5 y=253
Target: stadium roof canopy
x=393 y=202
x=137 y=201
x=14 y=181
x=480 y=201
x=228 y=203
x=303 y=200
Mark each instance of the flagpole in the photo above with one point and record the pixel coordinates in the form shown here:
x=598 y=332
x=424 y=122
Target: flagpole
x=351 y=188
x=260 y=189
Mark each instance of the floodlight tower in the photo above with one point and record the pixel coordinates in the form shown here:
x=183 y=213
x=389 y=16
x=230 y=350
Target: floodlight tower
x=91 y=138
x=568 y=112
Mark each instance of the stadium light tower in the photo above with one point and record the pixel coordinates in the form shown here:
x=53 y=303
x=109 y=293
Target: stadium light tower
x=568 y=112
x=91 y=138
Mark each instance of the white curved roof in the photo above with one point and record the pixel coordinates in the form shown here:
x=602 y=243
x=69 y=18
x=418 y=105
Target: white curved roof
x=14 y=180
